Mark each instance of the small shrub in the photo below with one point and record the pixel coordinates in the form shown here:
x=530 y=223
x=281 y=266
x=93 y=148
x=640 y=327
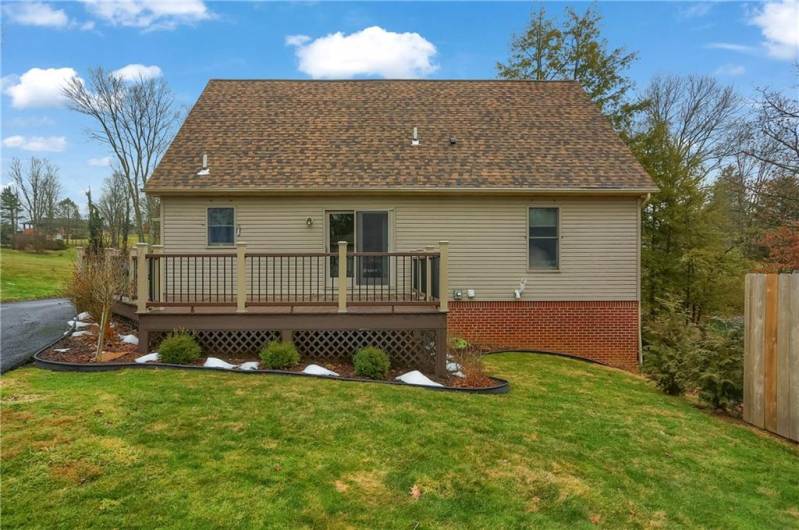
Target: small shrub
x=671 y=344
x=371 y=362
x=179 y=348
x=458 y=343
x=36 y=242
x=470 y=360
x=278 y=355
x=718 y=370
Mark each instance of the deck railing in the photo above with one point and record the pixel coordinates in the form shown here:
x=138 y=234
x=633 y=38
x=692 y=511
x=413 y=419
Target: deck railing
x=245 y=279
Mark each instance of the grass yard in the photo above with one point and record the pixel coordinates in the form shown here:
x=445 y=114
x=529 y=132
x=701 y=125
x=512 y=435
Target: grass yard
x=572 y=445
x=28 y=275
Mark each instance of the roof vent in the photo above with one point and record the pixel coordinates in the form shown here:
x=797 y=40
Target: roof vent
x=452 y=140
x=204 y=171
x=415 y=138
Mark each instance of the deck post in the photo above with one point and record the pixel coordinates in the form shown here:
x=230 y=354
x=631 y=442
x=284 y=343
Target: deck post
x=158 y=281
x=131 y=289
x=428 y=273
x=342 y=276
x=241 y=277
x=441 y=352
x=443 y=273
x=142 y=281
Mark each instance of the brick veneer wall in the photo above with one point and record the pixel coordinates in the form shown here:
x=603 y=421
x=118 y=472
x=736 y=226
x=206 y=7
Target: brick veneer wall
x=604 y=331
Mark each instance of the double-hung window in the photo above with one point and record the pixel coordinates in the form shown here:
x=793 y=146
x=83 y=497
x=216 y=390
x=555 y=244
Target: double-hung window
x=221 y=227
x=543 y=238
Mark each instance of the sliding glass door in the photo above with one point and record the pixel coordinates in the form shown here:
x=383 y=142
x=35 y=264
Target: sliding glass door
x=364 y=231
x=372 y=236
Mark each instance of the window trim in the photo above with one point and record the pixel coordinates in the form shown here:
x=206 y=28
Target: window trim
x=558 y=237
x=208 y=243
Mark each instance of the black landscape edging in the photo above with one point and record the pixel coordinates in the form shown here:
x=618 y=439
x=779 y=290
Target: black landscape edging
x=554 y=354
x=502 y=387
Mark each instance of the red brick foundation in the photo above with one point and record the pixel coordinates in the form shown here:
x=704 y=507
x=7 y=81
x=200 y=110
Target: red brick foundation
x=601 y=331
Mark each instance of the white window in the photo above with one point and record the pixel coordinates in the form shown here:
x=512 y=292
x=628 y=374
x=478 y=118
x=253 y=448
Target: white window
x=543 y=238
x=221 y=227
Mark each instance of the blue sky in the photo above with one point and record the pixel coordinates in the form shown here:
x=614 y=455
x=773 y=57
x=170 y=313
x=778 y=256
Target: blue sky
x=187 y=42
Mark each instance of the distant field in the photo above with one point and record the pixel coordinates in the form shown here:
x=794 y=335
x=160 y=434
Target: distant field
x=29 y=275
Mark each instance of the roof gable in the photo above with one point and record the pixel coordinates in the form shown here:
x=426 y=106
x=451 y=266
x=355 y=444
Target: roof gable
x=356 y=135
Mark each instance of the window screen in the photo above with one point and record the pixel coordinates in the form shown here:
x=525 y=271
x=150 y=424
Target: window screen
x=543 y=238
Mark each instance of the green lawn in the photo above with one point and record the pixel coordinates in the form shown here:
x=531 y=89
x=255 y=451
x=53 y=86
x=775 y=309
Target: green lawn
x=29 y=275
x=572 y=445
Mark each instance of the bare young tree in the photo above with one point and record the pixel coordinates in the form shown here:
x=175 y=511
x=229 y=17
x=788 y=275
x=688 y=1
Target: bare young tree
x=136 y=119
x=114 y=207
x=699 y=114
x=39 y=187
x=96 y=283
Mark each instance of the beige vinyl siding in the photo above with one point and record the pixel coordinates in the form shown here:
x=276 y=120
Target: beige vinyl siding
x=487 y=235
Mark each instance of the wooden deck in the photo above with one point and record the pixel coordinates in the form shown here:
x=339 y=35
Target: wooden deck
x=234 y=301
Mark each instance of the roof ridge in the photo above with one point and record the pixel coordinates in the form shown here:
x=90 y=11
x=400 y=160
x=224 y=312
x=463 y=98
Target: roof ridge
x=272 y=80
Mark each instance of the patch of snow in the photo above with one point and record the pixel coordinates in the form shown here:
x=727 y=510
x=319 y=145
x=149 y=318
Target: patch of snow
x=78 y=324
x=149 y=358
x=81 y=333
x=315 y=369
x=129 y=339
x=458 y=374
x=61 y=350
x=417 y=378
x=250 y=365
x=453 y=367
x=213 y=362
x=84 y=316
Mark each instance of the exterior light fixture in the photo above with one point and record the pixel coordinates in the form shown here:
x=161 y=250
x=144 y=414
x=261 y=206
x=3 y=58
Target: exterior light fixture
x=309 y=221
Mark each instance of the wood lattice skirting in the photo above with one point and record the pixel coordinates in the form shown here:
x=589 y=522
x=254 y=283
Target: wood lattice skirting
x=412 y=339
x=222 y=342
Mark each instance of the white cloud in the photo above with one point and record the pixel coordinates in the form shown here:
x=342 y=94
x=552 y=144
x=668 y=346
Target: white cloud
x=779 y=23
x=134 y=72
x=36 y=143
x=36 y=14
x=296 y=40
x=38 y=87
x=104 y=161
x=31 y=121
x=42 y=15
x=730 y=46
x=696 y=10
x=730 y=70
x=149 y=14
x=369 y=52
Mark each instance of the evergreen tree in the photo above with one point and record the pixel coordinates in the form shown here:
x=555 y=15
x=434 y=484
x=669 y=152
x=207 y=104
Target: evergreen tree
x=95 y=227
x=574 y=51
x=10 y=207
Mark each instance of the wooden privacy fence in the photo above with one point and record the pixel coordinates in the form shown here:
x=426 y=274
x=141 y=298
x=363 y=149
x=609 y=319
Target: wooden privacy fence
x=771 y=353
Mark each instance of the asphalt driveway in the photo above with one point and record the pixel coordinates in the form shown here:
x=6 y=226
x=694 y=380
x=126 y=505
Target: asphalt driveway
x=25 y=327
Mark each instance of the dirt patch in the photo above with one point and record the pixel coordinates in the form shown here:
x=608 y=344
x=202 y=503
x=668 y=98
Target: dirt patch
x=77 y=472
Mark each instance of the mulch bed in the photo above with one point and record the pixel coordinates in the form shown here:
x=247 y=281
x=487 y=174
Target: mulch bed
x=81 y=350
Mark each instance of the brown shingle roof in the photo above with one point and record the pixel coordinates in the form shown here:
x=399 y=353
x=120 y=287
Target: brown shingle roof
x=356 y=135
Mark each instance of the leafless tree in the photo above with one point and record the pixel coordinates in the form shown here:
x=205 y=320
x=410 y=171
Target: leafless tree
x=777 y=124
x=39 y=187
x=136 y=119
x=700 y=114
x=114 y=206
